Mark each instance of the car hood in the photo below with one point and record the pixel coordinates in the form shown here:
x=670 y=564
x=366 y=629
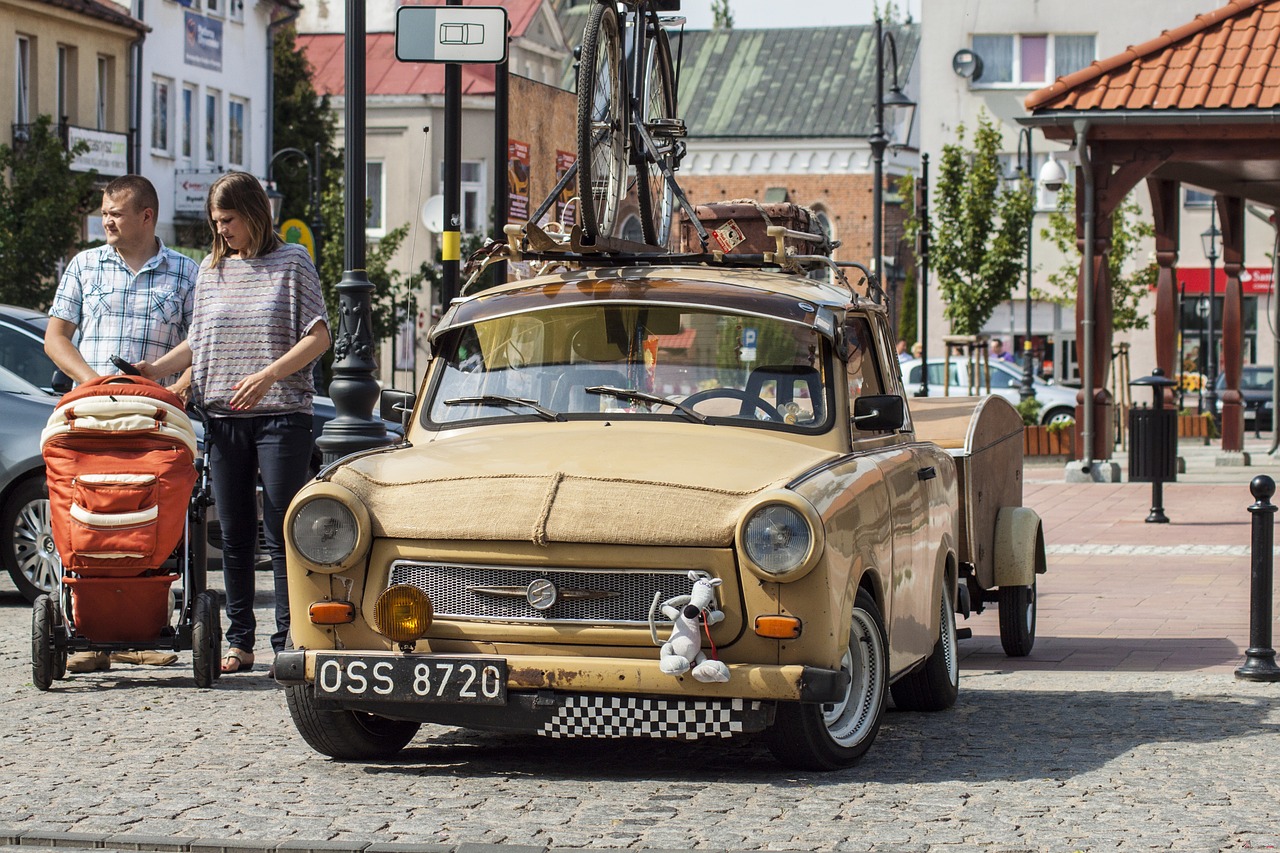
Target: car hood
x=597 y=482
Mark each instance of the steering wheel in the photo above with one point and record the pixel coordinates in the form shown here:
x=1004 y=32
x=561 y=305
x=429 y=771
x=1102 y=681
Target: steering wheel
x=733 y=394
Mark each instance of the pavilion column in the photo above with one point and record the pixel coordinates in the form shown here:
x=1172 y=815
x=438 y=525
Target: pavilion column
x=1103 y=425
x=1231 y=213
x=1165 y=207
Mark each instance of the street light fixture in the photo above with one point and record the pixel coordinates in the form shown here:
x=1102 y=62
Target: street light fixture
x=1209 y=241
x=276 y=199
x=902 y=112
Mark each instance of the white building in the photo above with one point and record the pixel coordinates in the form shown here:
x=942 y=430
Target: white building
x=1023 y=46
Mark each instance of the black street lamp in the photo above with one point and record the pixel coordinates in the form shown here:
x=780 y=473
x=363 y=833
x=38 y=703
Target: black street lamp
x=1209 y=241
x=902 y=110
x=313 y=190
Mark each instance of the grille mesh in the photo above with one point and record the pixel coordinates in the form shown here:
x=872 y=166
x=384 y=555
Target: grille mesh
x=453 y=594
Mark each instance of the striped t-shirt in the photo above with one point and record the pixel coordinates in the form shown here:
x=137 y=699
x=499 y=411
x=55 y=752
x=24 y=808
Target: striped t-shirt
x=248 y=313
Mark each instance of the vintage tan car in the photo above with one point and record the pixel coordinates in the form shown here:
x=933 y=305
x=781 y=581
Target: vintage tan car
x=653 y=501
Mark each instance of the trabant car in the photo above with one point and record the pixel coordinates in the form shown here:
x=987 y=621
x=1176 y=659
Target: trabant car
x=646 y=501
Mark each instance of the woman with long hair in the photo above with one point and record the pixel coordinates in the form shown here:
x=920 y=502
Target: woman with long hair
x=258 y=326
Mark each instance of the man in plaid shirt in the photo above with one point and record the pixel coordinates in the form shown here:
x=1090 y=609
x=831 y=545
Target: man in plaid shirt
x=132 y=298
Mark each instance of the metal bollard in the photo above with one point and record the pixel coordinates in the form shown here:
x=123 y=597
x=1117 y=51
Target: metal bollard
x=1260 y=657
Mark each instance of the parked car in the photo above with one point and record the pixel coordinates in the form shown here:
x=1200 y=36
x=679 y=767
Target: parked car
x=27 y=550
x=22 y=345
x=1057 y=403
x=657 y=501
x=1256 y=383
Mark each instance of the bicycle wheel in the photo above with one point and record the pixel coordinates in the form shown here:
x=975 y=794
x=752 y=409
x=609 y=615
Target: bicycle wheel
x=653 y=191
x=601 y=141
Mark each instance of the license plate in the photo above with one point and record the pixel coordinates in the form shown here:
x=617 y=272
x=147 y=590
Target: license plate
x=416 y=678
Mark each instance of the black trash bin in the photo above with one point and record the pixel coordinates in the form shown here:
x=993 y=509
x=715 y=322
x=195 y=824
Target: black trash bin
x=1153 y=445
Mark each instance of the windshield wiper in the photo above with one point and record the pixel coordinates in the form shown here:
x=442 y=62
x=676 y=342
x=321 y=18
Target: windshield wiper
x=499 y=400
x=646 y=397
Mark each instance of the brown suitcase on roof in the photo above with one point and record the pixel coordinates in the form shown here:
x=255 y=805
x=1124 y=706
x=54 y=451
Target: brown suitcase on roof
x=739 y=228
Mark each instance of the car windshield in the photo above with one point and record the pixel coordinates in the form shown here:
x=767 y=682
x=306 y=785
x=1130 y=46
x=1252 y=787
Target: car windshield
x=1251 y=379
x=634 y=361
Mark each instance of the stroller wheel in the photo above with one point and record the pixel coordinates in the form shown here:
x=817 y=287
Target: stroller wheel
x=206 y=639
x=43 y=665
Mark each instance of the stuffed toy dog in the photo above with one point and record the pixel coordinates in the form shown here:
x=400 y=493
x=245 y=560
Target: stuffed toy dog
x=682 y=652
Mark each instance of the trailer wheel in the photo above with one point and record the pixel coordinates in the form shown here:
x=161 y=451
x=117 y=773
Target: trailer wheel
x=935 y=684
x=346 y=735
x=1018 y=619
x=830 y=736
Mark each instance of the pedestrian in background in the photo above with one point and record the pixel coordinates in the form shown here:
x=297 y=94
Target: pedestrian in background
x=998 y=352
x=133 y=298
x=259 y=325
x=902 y=351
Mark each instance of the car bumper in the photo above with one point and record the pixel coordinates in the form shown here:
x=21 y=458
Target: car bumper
x=533 y=674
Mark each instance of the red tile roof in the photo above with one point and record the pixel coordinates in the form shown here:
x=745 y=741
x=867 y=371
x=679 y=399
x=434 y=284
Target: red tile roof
x=1224 y=59
x=386 y=75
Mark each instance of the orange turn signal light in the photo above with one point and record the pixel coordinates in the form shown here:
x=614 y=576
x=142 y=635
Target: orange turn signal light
x=778 y=627
x=332 y=612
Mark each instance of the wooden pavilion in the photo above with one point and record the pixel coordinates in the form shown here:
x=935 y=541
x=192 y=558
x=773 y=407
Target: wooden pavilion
x=1200 y=104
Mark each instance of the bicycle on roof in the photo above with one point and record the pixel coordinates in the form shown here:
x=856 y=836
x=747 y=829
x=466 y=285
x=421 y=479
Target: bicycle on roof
x=626 y=118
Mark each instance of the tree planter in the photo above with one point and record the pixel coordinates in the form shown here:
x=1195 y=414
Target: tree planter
x=1193 y=426
x=1040 y=441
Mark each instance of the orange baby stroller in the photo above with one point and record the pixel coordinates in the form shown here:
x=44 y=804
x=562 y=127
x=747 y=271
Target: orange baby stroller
x=120 y=459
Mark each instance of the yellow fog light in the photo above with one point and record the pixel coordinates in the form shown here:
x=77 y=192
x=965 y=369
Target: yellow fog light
x=402 y=614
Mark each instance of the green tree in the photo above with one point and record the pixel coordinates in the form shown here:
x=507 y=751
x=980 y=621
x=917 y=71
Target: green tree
x=300 y=119
x=41 y=207
x=1128 y=231
x=722 y=15
x=978 y=241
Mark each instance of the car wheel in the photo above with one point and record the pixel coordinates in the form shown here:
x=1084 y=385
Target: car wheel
x=346 y=735
x=1017 y=606
x=1058 y=415
x=42 y=652
x=830 y=736
x=29 y=555
x=935 y=684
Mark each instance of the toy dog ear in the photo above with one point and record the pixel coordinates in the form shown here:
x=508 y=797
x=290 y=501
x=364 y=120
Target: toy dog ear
x=691 y=611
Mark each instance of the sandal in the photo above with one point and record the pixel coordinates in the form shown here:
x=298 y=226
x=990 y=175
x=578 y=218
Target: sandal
x=237 y=660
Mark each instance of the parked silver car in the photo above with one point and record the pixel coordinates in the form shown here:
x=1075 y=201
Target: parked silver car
x=27 y=550
x=1057 y=403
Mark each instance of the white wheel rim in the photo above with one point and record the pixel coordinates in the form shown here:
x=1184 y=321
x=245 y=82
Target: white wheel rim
x=851 y=720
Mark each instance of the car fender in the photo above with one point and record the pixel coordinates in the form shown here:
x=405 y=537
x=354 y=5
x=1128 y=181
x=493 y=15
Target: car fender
x=1018 y=547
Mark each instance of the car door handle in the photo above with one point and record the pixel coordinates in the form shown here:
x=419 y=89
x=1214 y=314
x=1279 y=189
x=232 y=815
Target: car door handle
x=927 y=473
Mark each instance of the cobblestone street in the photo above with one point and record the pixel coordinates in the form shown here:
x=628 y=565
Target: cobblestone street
x=1125 y=730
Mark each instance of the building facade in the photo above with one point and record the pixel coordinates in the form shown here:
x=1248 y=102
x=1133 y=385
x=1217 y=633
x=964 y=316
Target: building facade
x=1022 y=47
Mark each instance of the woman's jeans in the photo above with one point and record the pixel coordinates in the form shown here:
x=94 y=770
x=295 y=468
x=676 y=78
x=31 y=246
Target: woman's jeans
x=277 y=450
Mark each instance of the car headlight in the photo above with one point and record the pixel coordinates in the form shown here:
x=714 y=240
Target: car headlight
x=780 y=538
x=328 y=527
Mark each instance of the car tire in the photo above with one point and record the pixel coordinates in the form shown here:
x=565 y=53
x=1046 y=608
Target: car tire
x=934 y=685
x=29 y=554
x=830 y=736
x=1059 y=414
x=1017 y=605
x=346 y=735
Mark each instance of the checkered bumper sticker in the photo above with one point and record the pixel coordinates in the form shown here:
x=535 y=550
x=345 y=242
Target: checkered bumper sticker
x=633 y=716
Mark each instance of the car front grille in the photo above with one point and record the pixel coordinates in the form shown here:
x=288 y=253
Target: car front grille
x=502 y=593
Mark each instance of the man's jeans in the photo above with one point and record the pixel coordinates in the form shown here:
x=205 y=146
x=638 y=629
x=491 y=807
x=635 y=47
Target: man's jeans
x=277 y=450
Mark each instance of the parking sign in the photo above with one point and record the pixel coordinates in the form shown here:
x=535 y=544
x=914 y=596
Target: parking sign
x=451 y=34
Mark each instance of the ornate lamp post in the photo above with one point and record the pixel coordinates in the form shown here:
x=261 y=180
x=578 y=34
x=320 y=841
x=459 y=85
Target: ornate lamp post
x=902 y=111
x=1027 y=390
x=313 y=191
x=354 y=388
x=1209 y=240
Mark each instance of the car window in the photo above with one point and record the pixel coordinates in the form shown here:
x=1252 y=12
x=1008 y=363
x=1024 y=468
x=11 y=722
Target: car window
x=24 y=355
x=762 y=370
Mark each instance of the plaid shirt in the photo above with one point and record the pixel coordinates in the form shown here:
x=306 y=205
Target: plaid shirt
x=137 y=317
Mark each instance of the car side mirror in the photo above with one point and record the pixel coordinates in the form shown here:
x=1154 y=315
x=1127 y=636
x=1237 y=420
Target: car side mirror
x=61 y=382
x=875 y=412
x=394 y=405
